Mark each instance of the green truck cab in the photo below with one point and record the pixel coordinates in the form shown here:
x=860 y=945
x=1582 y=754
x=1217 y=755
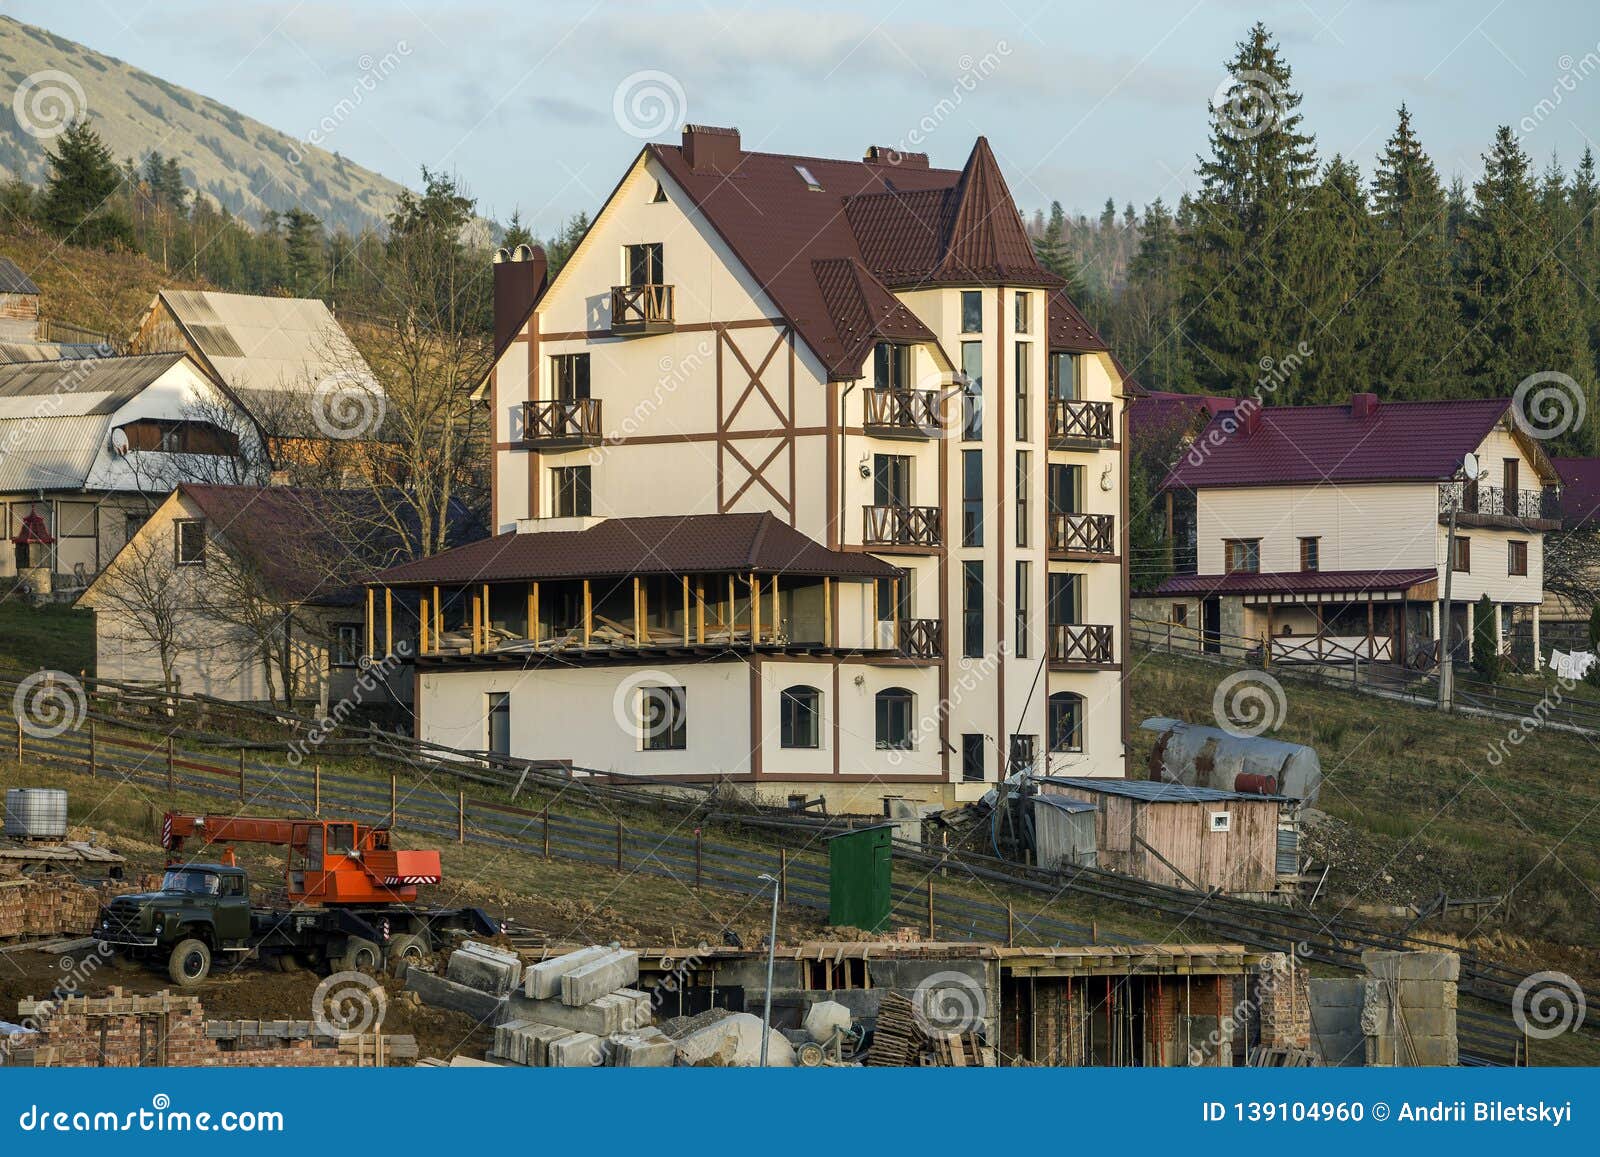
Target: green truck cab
x=201 y=909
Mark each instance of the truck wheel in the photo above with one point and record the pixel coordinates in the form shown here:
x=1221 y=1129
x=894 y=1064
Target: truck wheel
x=190 y=963
x=361 y=955
x=286 y=962
x=406 y=949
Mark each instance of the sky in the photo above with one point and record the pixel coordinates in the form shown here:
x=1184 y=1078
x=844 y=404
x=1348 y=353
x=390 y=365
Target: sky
x=539 y=106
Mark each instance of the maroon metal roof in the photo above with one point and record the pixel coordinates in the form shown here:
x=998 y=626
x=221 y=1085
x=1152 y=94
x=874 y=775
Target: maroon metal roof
x=1401 y=441
x=1323 y=582
x=905 y=224
x=1158 y=414
x=657 y=544
x=1580 y=491
x=862 y=311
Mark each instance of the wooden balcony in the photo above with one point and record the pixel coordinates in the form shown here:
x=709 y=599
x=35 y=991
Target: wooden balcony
x=1083 y=537
x=911 y=526
x=641 y=309
x=1078 y=425
x=903 y=414
x=555 y=424
x=1496 y=507
x=1081 y=645
x=922 y=639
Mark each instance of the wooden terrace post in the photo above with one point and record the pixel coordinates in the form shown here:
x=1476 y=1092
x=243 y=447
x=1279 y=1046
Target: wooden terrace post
x=700 y=611
x=685 y=610
x=372 y=614
x=422 y=625
x=777 y=616
x=728 y=619
x=588 y=613
x=388 y=621
x=638 y=611
x=827 y=611
x=533 y=612
x=755 y=610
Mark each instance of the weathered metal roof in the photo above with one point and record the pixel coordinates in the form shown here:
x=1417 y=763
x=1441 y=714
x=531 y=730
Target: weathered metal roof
x=1063 y=803
x=1153 y=791
x=264 y=347
x=76 y=387
x=13 y=280
x=52 y=453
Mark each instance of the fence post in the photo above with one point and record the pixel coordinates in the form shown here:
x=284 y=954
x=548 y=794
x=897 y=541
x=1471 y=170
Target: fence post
x=619 y=845
x=19 y=740
x=461 y=817
x=930 y=909
x=91 y=750
x=316 y=789
x=697 y=839
x=783 y=875
x=394 y=799
x=241 y=775
x=547 y=833
x=170 y=786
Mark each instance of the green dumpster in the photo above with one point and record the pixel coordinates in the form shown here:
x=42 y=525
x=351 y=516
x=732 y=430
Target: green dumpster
x=858 y=878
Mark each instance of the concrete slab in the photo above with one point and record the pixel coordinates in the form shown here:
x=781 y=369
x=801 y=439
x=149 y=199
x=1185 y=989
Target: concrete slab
x=609 y=1014
x=599 y=977
x=441 y=992
x=485 y=968
x=577 y=1050
x=647 y=1049
x=542 y=981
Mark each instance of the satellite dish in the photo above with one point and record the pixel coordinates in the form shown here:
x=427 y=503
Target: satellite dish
x=1469 y=465
x=119 y=442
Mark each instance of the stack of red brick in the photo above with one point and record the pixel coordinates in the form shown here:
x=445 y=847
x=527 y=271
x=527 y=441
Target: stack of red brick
x=32 y=906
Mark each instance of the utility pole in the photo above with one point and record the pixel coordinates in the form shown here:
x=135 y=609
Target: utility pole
x=1447 y=672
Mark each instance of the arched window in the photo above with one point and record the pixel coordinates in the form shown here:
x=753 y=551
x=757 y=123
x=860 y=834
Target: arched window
x=894 y=706
x=800 y=717
x=1066 y=721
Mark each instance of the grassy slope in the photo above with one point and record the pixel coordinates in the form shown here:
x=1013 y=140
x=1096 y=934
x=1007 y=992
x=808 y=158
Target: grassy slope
x=1423 y=788
x=105 y=292
x=56 y=636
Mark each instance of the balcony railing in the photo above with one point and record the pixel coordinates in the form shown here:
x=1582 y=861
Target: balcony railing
x=1086 y=643
x=641 y=309
x=922 y=639
x=1476 y=504
x=1083 y=534
x=561 y=422
x=1074 y=423
x=901 y=526
x=903 y=413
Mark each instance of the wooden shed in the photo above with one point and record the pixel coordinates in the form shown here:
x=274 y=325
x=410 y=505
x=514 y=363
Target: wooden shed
x=1190 y=837
x=19 y=304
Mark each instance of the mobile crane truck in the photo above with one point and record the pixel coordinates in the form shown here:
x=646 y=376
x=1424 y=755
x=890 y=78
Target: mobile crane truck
x=350 y=901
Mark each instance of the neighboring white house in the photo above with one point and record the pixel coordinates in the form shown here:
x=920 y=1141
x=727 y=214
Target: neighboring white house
x=93 y=445
x=807 y=476
x=1325 y=529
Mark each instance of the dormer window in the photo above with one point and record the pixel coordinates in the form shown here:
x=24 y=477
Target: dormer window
x=809 y=178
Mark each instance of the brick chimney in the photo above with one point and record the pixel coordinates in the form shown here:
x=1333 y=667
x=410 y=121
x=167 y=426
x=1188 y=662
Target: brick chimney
x=889 y=155
x=520 y=278
x=1363 y=405
x=1249 y=418
x=711 y=150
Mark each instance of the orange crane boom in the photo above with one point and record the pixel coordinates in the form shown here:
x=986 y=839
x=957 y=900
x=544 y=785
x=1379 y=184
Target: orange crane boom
x=329 y=861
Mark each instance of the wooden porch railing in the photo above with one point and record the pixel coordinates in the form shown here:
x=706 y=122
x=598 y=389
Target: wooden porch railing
x=1075 y=421
x=901 y=526
x=641 y=309
x=903 y=413
x=1088 y=643
x=1094 y=534
x=922 y=638
x=573 y=422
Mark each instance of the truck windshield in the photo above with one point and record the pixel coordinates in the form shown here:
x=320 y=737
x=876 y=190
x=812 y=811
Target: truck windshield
x=192 y=881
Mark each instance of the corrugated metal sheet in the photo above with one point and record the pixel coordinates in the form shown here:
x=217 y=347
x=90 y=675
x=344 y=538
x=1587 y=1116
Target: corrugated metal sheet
x=1149 y=790
x=1288 y=851
x=51 y=453
x=1063 y=832
x=50 y=390
x=267 y=345
x=13 y=280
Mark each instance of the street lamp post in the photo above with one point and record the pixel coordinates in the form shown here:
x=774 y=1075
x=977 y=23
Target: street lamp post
x=772 y=953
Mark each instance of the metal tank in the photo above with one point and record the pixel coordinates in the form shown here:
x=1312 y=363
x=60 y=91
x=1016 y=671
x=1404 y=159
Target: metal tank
x=36 y=813
x=1202 y=756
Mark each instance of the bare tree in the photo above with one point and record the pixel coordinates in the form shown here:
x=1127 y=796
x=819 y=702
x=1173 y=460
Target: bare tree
x=1572 y=566
x=151 y=600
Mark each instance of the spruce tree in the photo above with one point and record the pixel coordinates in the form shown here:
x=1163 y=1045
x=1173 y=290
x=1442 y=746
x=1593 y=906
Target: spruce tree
x=304 y=252
x=1236 y=255
x=516 y=232
x=1520 y=310
x=1148 y=326
x=1580 y=247
x=1413 y=326
x=83 y=178
x=1330 y=255
x=1052 y=250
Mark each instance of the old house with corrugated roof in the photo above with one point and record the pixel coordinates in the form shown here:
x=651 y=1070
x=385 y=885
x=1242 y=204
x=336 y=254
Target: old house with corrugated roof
x=1321 y=532
x=808 y=477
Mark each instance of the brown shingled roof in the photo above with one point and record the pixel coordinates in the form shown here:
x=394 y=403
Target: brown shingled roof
x=862 y=311
x=655 y=544
x=1070 y=331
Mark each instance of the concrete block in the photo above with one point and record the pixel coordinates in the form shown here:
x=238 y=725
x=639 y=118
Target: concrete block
x=444 y=993
x=644 y=1009
x=609 y=1014
x=472 y=1063
x=599 y=977
x=577 y=1051
x=485 y=968
x=542 y=981
x=649 y=1048
x=1436 y=966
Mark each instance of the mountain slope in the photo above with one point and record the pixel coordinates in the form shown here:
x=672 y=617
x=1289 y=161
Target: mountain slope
x=237 y=162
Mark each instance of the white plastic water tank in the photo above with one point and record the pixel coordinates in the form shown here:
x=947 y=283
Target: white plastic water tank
x=36 y=813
